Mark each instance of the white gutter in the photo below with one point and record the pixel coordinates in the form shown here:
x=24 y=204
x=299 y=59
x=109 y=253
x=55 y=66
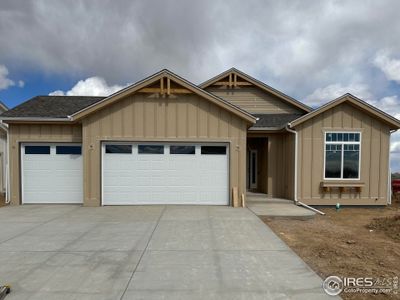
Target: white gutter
x=266 y=128
x=297 y=202
x=35 y=119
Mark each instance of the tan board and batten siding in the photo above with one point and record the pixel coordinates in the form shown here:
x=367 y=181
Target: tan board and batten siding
x=180 y=118
x=281 y=165
x=375 y=140
x=254 y=100
x=35 y=133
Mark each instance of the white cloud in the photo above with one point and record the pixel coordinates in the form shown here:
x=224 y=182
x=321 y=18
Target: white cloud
x=57 y=93
x=389 y=104
x=295 y=49
x=395 y=152
x=395 y=147
x=333 y=91
x=93 y=86
x=5 y=82
x=389 y=66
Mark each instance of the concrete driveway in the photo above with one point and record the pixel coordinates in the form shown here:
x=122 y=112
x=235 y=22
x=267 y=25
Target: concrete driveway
x=147 y=252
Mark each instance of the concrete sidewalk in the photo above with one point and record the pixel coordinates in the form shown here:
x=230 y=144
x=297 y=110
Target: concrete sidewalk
x=147 y=252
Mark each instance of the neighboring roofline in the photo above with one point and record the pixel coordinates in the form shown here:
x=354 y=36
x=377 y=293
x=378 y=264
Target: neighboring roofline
x=152 y=79
x=354 y=100
x=259 y=84
x=2 y=105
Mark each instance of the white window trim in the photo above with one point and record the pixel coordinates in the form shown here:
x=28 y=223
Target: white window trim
x=342 y=159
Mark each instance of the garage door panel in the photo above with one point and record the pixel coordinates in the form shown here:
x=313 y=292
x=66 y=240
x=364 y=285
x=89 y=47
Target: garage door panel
x=52 y=177
x=167 y=178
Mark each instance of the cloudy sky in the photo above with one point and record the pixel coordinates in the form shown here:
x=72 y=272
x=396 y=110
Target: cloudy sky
x=312 y=50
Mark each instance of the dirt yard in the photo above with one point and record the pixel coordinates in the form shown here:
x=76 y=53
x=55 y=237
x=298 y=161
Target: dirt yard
x=351 y=242
x=2 y=199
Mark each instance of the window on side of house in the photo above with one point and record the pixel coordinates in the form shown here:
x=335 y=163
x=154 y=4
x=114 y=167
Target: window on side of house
x=342 y=155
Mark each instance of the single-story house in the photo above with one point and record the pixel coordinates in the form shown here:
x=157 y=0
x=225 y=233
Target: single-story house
x=165 y=140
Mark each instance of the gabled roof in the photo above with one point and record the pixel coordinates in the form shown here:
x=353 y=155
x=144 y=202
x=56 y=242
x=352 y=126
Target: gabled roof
x=381 y=115
x=153 y=79
x=53 y=107
x=258 y=84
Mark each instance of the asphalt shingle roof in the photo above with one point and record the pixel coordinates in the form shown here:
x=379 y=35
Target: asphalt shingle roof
x=274 y=120
x=51 y=106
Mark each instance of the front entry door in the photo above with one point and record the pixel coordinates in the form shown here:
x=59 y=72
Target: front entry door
x=253 y=169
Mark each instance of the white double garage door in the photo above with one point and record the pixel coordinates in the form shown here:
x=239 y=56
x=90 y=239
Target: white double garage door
x=132 y=173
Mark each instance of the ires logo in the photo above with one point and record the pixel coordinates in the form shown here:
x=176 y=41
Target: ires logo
x=358 y=282
x=334 y=285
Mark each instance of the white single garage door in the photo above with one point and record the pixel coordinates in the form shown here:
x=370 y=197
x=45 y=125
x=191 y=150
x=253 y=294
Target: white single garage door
x=149 y=173
x=51 y=173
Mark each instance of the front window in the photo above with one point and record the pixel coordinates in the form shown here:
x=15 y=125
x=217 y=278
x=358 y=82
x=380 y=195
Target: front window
x=342 y=155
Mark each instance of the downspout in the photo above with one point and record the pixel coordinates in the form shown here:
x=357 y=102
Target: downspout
x=8 y=200
x=295 y=160
x=389 y=187
x=297 y=202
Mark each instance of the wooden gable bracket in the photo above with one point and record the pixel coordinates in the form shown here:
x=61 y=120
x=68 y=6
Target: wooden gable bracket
x=165 y=88
x=232 y=82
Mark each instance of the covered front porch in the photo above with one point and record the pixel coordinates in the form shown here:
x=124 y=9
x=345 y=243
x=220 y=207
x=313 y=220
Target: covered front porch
x=270 y=176
x=270 y=164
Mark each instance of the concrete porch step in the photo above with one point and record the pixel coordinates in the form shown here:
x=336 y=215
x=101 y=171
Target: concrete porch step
x=262 y=205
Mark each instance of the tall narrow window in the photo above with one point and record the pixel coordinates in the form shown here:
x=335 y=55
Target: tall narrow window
x=342 y=155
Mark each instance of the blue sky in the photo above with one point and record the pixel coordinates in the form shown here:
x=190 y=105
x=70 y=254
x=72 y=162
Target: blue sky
x=314 y=51
x=35 y=83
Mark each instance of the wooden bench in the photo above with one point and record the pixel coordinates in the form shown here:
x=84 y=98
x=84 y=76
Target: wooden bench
x=327 y=186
